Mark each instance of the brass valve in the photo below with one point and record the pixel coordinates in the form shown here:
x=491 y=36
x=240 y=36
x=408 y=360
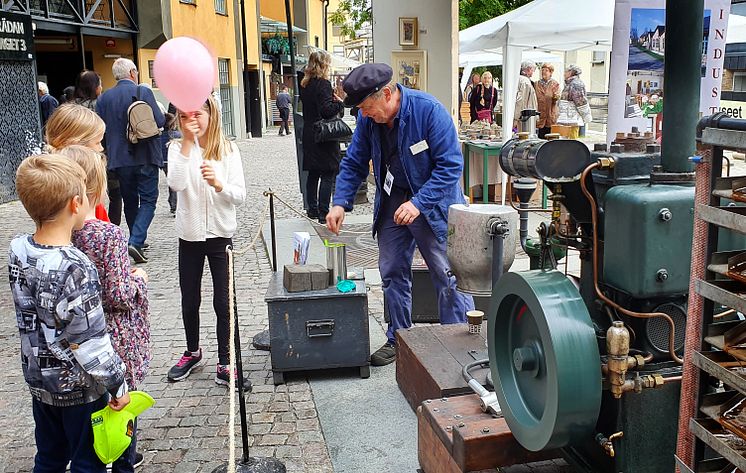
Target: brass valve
x=606 y=162
x=607 y=443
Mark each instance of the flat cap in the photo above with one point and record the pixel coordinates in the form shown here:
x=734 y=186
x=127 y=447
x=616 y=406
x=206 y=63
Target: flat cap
x=364 y=81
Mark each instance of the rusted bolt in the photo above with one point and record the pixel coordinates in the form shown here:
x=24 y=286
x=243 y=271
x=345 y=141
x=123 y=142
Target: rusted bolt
x=461 y=424
x=486 y=430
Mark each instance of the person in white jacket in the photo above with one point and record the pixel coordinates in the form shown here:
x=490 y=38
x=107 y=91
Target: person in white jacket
x=205 y=170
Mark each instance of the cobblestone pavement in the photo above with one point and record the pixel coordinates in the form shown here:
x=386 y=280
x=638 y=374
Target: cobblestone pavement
x=187 y=431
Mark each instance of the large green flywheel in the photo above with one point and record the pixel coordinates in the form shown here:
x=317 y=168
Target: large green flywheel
x=544 y=359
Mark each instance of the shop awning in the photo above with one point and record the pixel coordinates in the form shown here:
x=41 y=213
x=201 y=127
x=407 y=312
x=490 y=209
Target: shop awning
x=268 y=25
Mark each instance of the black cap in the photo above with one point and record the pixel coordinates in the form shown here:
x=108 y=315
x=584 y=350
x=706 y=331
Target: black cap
x=364 y=81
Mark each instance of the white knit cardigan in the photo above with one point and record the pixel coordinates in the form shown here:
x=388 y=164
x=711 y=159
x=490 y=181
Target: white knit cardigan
x=202 y=212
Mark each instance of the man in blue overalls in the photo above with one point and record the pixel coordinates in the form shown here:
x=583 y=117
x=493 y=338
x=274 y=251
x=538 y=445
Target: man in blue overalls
x=417 y=163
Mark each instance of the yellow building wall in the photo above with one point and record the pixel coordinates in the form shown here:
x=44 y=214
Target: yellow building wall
x=146 y=55
x=275 y=9
x=215 y=30
x=315 y=22
x=252 y=33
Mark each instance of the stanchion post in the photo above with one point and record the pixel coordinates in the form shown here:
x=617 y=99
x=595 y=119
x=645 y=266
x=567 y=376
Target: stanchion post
x=272 y=229
x=239 y=367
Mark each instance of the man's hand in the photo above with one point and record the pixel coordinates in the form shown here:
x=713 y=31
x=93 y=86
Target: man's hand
x=334 y=219
x=118 y=404
x=406 y=213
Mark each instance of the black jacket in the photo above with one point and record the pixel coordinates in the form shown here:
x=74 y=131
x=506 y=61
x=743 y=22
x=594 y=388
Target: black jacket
x=318 y=102
x=477 y=102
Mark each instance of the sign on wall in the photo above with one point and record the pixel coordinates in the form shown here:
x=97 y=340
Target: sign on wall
x=16 y=37
x=637 y=62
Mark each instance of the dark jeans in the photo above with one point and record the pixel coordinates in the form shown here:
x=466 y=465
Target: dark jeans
x=318 y=196
x=191 y=265
x=64 y=434
x=139 y=187
x=171 y=193
x=284 y=116
x=115 y=198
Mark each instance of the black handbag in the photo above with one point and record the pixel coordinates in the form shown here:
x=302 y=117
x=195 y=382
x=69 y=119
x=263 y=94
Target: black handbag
x=332 y=129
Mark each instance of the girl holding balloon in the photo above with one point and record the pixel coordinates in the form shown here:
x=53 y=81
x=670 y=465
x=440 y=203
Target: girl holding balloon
x=205 y=170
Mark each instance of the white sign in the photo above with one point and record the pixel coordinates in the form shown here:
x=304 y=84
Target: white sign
x=637 y=62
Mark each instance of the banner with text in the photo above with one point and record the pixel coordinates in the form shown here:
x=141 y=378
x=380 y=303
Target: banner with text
x=637 y=63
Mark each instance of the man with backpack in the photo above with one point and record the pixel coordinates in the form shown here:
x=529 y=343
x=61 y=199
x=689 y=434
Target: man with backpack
x=133 y=148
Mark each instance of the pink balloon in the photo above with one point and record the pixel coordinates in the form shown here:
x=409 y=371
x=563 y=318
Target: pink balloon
x=184 y=71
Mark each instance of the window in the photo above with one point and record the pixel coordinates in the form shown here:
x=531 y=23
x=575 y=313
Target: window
x=316 y=41
x=226 y=101
x=739 y=81
x=598 y=57
x=220 y=7
x=152 y=76
x=189 y=2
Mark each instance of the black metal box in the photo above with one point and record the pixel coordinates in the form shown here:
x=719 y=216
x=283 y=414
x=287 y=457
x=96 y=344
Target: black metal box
x=317 y=329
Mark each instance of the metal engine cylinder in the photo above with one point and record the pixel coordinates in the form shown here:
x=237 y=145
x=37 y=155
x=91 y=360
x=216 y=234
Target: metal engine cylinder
x=470 y=244
x=554 y=161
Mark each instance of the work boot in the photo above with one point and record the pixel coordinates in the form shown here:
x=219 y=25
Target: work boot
x=384 y=355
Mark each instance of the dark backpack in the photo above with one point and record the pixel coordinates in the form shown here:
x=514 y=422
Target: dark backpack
x=141 y=125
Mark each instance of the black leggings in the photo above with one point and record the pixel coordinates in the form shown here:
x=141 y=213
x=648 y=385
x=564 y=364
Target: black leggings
x=191 y=266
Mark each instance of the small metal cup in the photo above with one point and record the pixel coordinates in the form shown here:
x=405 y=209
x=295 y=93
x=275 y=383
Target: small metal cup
x=474 y=319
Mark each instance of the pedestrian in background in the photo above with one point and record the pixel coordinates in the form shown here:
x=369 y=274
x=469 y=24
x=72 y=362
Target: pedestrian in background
x=47 y=103
x=135 y=165
x=321 y=160
x=88 y=87
x=209 y=180
x=574 y=109
x=68 y=94
x=283 y=105
x=170 y=132
x=483 y=99
x=547 y=98
x=526 y=95
x=124 y=290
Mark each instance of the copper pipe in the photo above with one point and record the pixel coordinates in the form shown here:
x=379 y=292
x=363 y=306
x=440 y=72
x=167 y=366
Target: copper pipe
x=601 y=295
x=724 y=313
x=672 y=378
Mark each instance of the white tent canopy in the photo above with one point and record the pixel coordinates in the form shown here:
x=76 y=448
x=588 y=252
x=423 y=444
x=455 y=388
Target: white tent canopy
x=554 y=25
x=490 y=58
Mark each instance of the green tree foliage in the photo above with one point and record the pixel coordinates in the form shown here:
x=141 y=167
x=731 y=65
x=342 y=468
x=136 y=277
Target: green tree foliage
x=473 y=12
x=351 y=15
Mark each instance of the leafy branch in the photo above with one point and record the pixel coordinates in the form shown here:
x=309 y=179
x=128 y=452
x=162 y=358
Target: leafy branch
x=351 y=16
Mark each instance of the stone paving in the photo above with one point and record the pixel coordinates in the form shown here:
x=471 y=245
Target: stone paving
x=187 y=429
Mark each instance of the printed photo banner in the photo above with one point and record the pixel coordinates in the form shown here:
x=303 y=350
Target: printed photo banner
x=637 y=63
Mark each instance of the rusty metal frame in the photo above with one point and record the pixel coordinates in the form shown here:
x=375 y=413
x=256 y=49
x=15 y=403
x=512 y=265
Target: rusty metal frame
x=83 y=12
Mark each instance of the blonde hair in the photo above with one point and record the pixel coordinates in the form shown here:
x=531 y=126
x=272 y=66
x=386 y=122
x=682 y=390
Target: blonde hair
x=94 y=166
x=548 y=66
x=217 y=144
x=486 y=74
x=46 y=183
x=72 y=124
x=319 y=63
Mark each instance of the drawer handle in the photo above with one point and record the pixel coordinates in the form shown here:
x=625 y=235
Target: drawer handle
x=320 y=328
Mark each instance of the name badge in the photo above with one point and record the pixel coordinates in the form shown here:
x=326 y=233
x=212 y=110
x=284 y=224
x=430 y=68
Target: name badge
x=419 y=147
x=388 y=183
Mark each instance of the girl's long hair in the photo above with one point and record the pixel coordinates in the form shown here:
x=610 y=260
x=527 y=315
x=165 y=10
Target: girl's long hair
x=319 y=63
x=217 y=145
x=72 y=124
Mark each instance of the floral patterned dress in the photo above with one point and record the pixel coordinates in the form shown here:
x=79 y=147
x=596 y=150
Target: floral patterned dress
x=124 y=295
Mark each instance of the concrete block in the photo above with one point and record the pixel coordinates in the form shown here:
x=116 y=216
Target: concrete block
x=307 y=277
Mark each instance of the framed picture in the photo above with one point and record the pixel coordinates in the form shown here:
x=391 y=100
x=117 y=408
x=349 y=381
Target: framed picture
x=408 y=31
x=410 y=68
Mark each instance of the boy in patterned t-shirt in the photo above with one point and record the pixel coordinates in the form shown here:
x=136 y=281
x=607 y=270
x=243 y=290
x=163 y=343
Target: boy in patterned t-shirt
x=66 y=354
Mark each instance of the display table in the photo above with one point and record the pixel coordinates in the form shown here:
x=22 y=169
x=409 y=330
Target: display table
x=313 y=330
x=488 y=150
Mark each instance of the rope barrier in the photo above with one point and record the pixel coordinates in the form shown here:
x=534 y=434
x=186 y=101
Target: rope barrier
x=313 y=222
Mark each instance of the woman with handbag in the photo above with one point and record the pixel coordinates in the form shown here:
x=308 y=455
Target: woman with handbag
x=483 y=99
x=574 y=109
x=320 y=158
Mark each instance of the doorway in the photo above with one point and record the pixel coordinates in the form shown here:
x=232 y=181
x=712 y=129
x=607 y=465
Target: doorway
x=59 y=69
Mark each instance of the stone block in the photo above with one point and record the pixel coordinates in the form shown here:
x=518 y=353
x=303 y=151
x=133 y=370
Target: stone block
x=305 y=277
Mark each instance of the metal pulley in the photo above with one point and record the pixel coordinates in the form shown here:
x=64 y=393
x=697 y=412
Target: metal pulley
x=544 y=359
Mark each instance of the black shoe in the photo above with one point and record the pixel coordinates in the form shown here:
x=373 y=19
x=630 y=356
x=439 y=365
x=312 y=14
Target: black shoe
x=282 y=134
x=137 y=254
x=312 y=215
x=222 y=377
x=184 y=366
x=288 y=133
x=322 y=220
x=384 y=355
x=173 y=210
x=145 y=246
